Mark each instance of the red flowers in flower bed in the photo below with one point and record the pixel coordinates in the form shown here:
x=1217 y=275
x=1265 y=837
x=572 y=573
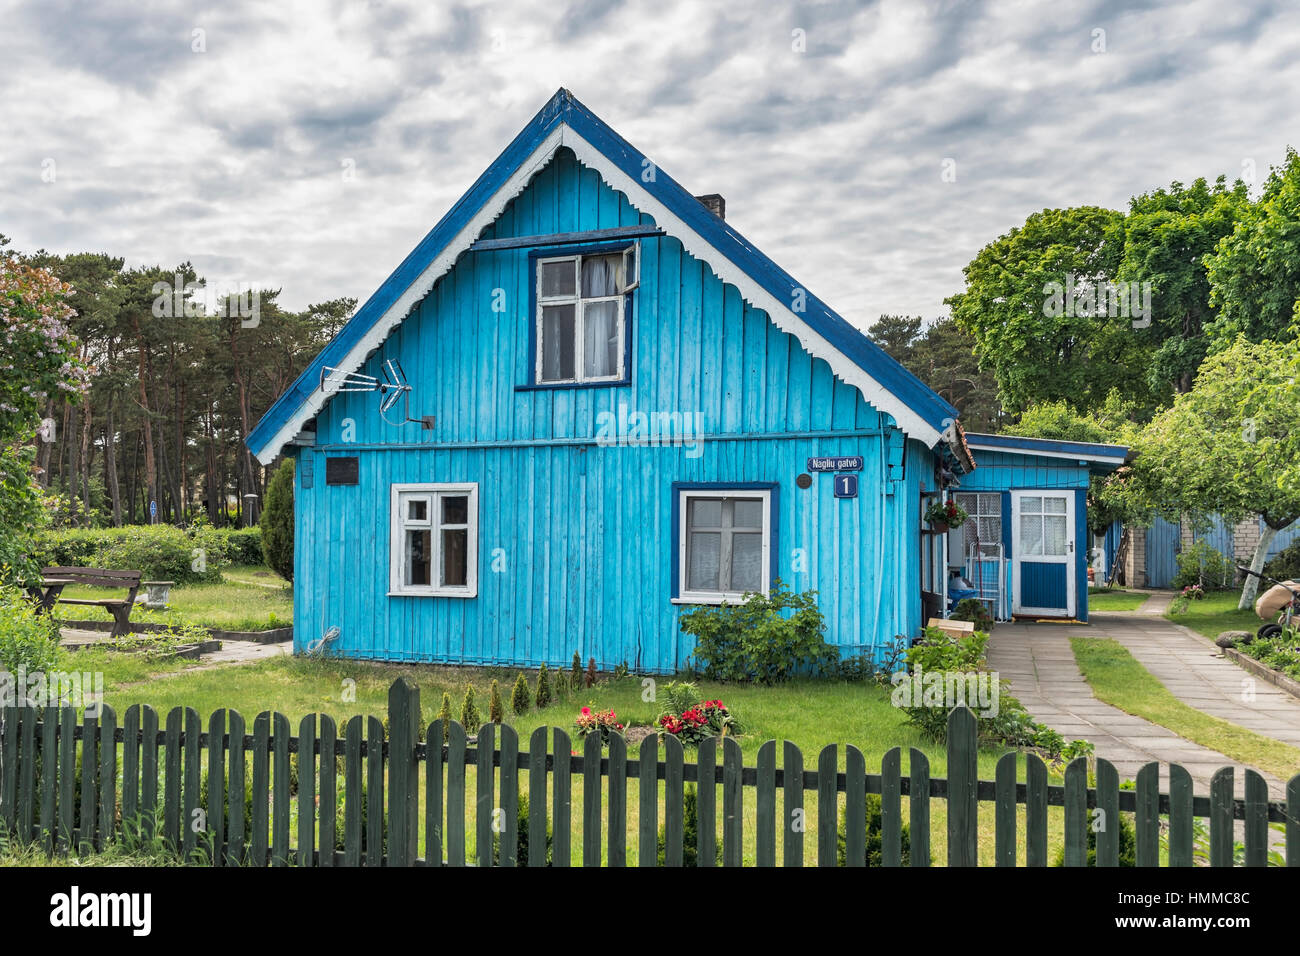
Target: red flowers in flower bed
x=596 y=721
x=708 y=719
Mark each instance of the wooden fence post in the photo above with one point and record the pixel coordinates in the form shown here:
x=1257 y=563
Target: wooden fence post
x=403 y=772
x=963 y=776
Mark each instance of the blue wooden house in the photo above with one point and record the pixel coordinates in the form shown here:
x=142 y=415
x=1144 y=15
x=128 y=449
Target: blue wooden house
x=584 y=404
x=1026 y=546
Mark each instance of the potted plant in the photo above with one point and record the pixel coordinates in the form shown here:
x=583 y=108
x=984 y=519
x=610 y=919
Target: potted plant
x=942 y=516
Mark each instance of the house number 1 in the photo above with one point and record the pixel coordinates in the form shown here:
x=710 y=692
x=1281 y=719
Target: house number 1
x=846 y=486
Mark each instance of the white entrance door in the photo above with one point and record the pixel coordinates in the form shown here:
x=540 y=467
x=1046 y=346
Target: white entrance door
x=1043 y=553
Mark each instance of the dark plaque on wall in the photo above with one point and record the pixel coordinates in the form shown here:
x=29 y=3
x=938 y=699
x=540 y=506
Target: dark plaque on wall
x=342 y=471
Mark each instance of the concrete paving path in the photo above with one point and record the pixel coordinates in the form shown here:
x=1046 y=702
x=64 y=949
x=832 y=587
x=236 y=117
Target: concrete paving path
x=1037 y=662
x=1198 y=674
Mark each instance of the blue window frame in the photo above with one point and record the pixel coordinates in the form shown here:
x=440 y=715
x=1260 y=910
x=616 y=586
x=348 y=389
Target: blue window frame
x=580 y=315
x=724 y=540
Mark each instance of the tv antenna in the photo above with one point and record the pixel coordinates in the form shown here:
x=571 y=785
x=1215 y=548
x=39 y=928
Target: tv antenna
x=391 y=389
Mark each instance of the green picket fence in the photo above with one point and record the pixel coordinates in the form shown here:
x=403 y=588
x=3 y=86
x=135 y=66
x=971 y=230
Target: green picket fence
x=66 y=784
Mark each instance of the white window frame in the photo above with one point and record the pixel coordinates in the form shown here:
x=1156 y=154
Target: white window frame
x=993 y=498
x=684 y=594
x=399 y=523
x=631 y=265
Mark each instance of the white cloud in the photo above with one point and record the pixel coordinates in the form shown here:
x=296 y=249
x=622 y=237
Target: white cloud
x=830 y=159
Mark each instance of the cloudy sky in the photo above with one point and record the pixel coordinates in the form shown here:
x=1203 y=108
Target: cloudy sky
x=870 y=148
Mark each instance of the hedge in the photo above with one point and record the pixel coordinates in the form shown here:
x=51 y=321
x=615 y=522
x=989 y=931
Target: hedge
x=160 y=552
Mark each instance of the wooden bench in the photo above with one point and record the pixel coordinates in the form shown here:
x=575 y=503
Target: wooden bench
x=120 y=608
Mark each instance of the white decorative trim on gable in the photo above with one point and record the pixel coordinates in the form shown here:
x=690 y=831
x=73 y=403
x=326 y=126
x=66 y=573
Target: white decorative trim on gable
x=779 y=313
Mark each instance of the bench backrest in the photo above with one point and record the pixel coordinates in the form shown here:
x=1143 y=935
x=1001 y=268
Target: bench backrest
x=96 y=577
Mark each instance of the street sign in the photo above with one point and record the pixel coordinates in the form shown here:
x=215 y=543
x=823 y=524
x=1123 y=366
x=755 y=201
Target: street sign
x=843 y=463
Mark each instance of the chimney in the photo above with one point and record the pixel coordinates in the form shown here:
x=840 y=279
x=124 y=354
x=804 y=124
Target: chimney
x=714 y=204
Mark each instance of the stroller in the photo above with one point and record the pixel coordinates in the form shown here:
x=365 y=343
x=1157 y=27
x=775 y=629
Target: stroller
x=1279 y=605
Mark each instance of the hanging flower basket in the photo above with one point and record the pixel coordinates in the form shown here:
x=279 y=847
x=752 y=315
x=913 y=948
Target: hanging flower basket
x=942 y=516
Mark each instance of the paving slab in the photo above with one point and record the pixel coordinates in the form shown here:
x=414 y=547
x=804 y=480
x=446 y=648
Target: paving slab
x=1197 y=673
x=1037 y=663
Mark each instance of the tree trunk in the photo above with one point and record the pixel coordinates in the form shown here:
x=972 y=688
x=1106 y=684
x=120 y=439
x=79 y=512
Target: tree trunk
x=110 y=465
x=85 y=458
x=150 y=467
x=1248 y=591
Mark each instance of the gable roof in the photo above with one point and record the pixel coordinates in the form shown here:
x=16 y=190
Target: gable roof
x=564 y=121
x=1099 y=458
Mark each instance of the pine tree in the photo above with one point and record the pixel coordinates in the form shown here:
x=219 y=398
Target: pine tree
x=520 y=697
x=444 y=716
x=543 y=688
x=575 y=672
x=496 y=712
x=469 y=716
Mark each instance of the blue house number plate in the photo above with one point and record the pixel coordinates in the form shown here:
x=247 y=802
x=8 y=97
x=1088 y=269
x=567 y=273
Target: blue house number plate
x=849 y=463
x=846 y=486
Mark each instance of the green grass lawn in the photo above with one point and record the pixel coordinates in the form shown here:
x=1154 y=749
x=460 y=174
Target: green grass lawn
x=810 y=714
x=1114 y=599
x=250 y=598
x=1117 y=678
x=1215 y=613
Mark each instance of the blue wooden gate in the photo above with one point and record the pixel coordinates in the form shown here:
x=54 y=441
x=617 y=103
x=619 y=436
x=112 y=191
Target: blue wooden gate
x=1162 y=544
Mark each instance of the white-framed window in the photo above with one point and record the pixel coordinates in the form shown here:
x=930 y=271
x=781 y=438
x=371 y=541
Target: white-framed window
x=724 y=544
x=581 y=321
x=982 y=532
x=434 y=540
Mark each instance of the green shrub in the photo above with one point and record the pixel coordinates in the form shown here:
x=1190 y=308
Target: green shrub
x=767 y=639
x=340 y=817
x=591 y=672
x=1280 y=652
x=521 y=696
x=469 y=715
x=690 y=832
x=939 y=654
x=1199 y=563
x=575 y=671
x=27 y=640
x=160 y=552
x=543 y=698
x=243 y=545
x=972 y=609
x=875 y=829
x=444 y=716
x=521 y=837
x=277 y=521
x=496 y=712
x=1127 y=844
x=1285 y=565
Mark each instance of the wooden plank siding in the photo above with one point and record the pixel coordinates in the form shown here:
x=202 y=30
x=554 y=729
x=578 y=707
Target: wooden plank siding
x=575 y=538
x=1003 y=473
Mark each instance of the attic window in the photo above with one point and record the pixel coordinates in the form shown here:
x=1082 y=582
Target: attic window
x=581 y=319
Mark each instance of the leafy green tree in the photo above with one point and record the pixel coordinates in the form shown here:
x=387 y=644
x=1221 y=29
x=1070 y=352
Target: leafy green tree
x=40 y=360
x=1228 y=446
x=277 y=522
x=1254 y=272
x=1166 y=236
x=1111 y=423
x=897 y=335
x=1038 y=306
x=943 y=356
